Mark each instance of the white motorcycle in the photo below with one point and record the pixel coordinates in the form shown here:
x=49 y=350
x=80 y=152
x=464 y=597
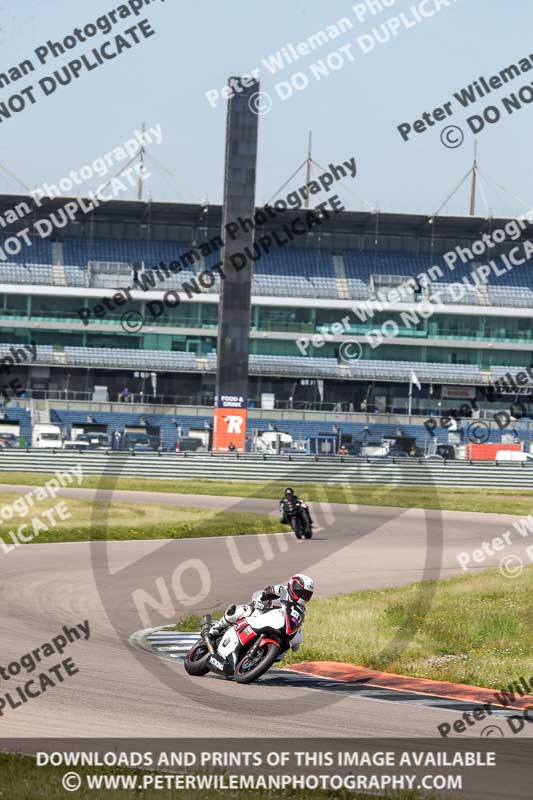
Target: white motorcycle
x=247 y=649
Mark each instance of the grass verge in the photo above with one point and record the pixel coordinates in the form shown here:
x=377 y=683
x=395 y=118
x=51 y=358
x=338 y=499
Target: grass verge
x=475 y=629
x=68 y=519
x=430 y=497
x=21 y=779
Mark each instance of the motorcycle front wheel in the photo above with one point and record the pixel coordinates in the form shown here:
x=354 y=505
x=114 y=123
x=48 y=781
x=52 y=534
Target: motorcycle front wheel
x=250 y=668
x=196 y=659
x=296 y=525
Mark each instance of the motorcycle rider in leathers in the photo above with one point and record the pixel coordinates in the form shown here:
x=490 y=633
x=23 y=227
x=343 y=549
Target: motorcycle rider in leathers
x=299 y=589
x=289 y=496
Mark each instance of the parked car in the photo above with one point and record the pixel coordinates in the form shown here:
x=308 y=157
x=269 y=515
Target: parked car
x=189 y=444
x=96 y=441
x=140 y=442
x=103 y=439
x=514 y=455
x=8 y=440
x=76 y=444
x=83 y=438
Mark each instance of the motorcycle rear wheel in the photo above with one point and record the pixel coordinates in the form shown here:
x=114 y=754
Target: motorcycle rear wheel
x=196 y=659
x=245 y=675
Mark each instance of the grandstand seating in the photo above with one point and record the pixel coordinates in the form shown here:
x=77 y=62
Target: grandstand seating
x=402 y=370
x=449 y=294
x=178 y=361
x=35 y=274
x=285 y=271
x=132 y=359
x=76 y=276
x=40 y=252
x=78 y=251
x=514 y=296
x=44 y=353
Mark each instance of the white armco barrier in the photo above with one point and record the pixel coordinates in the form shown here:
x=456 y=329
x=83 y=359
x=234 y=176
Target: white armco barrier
x=295 y=469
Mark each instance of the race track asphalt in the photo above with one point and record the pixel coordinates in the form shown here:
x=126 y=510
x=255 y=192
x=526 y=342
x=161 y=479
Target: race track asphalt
x=121 y=587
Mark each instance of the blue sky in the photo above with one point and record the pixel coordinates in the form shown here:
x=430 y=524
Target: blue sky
x=353 y=112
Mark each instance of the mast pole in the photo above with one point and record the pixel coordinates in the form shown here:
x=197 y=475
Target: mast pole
x=473 y=191
x=309 y=168
x=141 y=170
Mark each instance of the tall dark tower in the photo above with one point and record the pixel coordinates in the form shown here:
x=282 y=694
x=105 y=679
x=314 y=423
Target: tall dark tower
x=235 y=289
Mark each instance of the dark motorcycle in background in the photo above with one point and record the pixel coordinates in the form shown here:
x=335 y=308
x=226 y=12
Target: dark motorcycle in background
x=295 y=514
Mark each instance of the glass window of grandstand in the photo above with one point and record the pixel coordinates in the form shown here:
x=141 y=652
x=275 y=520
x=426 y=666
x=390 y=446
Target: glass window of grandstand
x=191 y=344
x=124 y=342
x=14 y=305
x=275 y=348
x=510 y=328
x=57 y=339
x=209 y=315
x=482 y=327
x=283 y=319
x=187 y=315
x=57 y=308
x=409 y=323
x=456 y=327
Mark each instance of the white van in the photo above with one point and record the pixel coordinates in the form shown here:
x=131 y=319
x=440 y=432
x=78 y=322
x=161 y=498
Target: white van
x=513 y=455
x=46 y=435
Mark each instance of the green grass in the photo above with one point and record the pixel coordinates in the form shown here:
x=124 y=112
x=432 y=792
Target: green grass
x=192 y=622
x=486 y=500
x=476 y=629
x=95 y=520
x=21 y=779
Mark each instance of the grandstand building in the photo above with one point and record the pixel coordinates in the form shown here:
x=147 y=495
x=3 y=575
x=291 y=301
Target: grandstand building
x=356 y=278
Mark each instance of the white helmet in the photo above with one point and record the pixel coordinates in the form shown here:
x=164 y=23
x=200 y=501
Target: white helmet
x=300 y=587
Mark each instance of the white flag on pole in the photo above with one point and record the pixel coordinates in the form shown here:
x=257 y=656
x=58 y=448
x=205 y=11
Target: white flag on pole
x=414 y=379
